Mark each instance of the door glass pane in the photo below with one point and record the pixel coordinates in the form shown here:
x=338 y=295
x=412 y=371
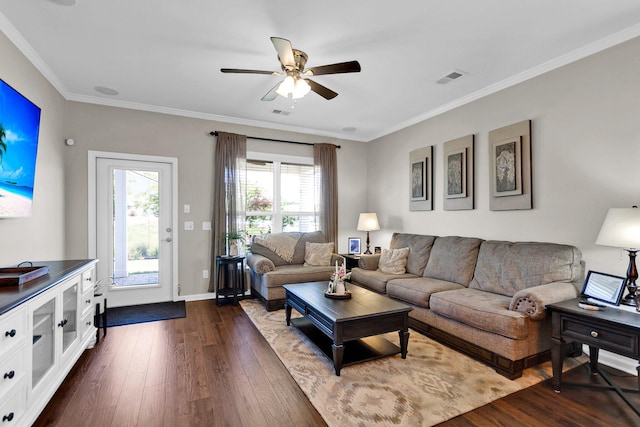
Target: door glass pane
x=43 y=344
x=69 y=317
x=136 y=207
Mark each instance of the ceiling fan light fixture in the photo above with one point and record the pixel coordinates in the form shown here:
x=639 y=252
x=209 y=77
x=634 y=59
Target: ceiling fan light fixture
x=301 y=89
x=286 y=87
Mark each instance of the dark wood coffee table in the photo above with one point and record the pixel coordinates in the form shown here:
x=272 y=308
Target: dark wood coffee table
x=348 y=327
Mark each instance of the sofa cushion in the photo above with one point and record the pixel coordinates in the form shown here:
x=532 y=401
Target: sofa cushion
x=375 y=280
x=419 y=250
x=393 y=261
x=483 y=310
x=318 y=254
x=298 y=273
x=418 y=290
x=507 y=267
x=453 y=259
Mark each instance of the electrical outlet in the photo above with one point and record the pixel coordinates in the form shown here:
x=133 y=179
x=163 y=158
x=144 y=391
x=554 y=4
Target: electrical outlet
x=205 y=274
x=206 y=225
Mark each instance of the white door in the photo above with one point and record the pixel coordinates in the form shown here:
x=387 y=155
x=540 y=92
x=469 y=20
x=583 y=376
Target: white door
x=134 y=224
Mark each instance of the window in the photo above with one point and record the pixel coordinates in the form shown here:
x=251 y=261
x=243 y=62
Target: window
x=280 y=194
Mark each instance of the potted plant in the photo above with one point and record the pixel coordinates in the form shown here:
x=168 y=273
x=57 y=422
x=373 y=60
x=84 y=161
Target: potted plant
x=232 y=240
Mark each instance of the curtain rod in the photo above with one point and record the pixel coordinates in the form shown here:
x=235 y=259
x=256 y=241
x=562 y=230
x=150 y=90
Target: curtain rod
x=215 y=133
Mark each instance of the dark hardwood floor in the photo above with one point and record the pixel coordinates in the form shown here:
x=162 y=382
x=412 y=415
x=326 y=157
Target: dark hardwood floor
x=214 y=368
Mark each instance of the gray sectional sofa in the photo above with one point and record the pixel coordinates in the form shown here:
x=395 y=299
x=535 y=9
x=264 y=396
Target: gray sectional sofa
x=269 y=271
x=485 y=298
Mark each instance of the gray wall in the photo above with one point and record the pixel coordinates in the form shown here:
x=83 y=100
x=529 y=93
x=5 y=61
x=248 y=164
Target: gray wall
x=41 y=236
x=585 y=154
x=101 y=128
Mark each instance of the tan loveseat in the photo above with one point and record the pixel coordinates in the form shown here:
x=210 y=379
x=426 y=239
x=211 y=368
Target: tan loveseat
x=278 y=259
x=485 y=298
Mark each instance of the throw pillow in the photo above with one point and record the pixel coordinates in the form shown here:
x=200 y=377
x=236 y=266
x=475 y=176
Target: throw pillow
x=393 y=261
x=318 y=254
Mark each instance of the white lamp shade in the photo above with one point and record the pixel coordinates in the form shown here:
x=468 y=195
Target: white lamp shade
x=621 y=228
x=368 y=222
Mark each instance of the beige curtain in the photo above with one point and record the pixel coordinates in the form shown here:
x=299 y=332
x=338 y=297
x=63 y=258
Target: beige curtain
x=326 y=171
x=229 y=184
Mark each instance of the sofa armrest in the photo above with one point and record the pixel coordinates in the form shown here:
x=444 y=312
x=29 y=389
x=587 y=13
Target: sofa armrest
x=532 y=301
x=369 y=262
x=259 y=264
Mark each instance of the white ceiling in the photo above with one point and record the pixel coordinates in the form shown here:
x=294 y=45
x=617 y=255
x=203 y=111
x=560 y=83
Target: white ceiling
x=166 y=56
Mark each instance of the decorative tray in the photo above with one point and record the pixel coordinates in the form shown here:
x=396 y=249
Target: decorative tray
x=16 y=276
x=346 y=295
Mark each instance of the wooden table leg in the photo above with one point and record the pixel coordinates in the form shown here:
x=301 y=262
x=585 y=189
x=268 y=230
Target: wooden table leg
x=404 y=342
x=557 y=356
x=287 y=310
x=338 y=354
x=593 y=359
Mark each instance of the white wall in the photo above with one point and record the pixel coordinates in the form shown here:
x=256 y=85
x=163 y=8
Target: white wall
x=585 y=155
x=101 y=128
x=41 y=236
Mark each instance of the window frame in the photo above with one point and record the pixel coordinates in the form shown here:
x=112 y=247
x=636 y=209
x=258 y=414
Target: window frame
x=278 y=159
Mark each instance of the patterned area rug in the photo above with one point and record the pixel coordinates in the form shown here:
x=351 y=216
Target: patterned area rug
x=433 y=384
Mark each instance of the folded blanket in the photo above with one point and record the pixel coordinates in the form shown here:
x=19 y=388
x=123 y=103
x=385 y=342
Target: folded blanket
x=281 y=244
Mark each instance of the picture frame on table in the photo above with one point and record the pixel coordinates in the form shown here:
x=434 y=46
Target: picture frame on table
x=354 y=246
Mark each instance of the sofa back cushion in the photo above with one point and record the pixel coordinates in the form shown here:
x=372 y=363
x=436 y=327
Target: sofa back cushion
x=453 y=259
x=508 y=267
x=419 y=250
x=299 y=249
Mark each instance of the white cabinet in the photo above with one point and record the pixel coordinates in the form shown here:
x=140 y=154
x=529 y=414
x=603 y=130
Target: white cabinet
x=13 y=371
x=42 y=338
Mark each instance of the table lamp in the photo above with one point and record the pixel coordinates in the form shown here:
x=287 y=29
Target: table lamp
x=368 y=222
x=621 y=229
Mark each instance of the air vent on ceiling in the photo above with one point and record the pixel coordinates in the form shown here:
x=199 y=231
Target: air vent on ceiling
x=281 y=112
x=450 y=77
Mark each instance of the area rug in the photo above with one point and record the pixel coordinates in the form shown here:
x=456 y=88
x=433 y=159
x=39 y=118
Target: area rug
x=119 y=316
x=433 y=384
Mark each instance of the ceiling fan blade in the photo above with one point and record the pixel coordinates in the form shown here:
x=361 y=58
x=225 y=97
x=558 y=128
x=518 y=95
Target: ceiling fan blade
x=240 y=71
x=342 y=67
x=285 y=52
x=324 y=92
x=272 y=94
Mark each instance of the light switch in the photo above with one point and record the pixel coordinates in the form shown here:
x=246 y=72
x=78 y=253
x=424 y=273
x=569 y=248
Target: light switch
x=187 y=208
x=188 y=225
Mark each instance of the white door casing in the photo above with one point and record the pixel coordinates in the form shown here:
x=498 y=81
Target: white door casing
x=105 y=173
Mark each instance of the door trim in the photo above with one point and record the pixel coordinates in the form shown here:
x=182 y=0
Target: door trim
x=92 y=200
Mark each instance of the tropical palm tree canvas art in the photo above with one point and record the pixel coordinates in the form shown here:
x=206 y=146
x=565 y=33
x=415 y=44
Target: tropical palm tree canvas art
x=19 y=128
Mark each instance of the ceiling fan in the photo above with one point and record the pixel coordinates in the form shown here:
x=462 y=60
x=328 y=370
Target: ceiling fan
x=296 y=84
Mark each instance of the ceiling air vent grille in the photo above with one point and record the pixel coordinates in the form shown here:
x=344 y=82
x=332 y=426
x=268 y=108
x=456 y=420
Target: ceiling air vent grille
x=281 y=112
x=450 y=77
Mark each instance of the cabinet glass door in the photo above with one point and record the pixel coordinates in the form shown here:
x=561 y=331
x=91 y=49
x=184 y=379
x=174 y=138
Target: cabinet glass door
x=69 y=323
x=43 y=342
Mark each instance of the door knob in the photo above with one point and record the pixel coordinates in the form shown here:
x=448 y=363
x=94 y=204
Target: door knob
x=168 y=239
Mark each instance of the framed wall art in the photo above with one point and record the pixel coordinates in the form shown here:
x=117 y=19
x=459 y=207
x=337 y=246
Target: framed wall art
x=458 y=174
x=510 y=167
x=354 y=246
x=421 y=179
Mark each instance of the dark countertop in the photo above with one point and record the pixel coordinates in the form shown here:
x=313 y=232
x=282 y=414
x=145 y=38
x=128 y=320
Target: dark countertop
x=13 y=296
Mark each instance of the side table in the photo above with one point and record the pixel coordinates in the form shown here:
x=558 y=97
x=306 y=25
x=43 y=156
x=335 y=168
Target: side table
x=230 y=281
x=611 y=329
x=351 y=261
